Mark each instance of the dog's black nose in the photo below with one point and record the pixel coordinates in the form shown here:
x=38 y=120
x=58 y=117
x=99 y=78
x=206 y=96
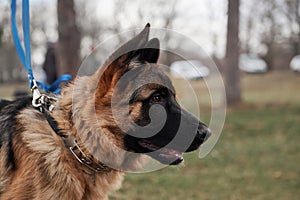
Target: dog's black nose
x=203 y=133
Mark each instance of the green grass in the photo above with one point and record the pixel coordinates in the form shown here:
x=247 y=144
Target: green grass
x=257 y=156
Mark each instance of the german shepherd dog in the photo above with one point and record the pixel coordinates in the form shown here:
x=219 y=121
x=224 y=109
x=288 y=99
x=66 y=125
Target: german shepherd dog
x=79 y=150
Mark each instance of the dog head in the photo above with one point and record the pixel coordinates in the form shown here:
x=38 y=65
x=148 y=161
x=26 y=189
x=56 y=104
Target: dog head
x=136 y=105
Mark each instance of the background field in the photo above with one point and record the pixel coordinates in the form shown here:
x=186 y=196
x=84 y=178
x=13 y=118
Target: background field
x=257 y=156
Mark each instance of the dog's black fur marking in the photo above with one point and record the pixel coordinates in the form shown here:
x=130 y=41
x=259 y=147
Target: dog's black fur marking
x=8 y=112
x=4 y=103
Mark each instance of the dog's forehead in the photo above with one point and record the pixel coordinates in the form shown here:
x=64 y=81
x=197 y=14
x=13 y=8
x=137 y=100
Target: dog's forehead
x=147 y=90
x=142 y=80
x=152 y=75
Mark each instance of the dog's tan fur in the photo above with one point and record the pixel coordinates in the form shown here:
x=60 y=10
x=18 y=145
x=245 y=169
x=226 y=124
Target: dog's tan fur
x=59 y=175
x=35 y=162
x=45 y=168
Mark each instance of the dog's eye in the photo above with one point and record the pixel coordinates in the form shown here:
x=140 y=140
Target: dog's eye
x=156 y=98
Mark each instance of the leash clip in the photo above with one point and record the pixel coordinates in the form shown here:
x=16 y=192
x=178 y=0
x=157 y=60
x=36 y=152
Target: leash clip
x=41 y=100
x=36 y=95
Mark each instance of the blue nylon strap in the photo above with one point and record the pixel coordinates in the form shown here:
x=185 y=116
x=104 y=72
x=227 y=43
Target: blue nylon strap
x=54 y=87
x=26 y=31
x=24 y=53
x=20 y=51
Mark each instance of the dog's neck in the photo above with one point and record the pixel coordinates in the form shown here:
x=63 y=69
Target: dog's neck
x=75 y=140
x=76 y=111
x=97 y=184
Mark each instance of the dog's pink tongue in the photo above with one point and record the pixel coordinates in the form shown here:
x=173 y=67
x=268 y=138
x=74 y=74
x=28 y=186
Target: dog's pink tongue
x=163 y=151
x=148 y=145
x=170 y=153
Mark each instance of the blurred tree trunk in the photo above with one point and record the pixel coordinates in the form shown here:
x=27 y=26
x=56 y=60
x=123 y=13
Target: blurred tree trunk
x=1 y=34
x=271 y=32
x=232 y=73
x=293 y=15
x=296 y=41
x=68 y=49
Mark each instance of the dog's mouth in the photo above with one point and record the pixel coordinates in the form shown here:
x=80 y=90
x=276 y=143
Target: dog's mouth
x=164 y=155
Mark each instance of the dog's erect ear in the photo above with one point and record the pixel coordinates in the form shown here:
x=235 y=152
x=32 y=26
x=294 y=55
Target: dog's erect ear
x=150 y=53
x=138 y=49
x=130 y=49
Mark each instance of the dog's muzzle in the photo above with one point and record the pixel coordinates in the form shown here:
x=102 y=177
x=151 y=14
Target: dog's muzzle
x=203 y=133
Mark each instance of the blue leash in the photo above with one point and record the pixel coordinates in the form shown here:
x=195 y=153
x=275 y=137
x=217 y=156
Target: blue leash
x=25 y=55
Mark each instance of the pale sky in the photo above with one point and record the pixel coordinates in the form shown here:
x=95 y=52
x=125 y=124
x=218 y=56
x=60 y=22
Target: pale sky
x=194 y=19
x=198 y=20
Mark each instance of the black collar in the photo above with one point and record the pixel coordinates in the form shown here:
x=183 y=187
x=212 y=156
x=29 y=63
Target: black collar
x=72 y=144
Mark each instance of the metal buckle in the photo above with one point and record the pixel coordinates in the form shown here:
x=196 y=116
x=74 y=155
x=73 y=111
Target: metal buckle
x=85 y=160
